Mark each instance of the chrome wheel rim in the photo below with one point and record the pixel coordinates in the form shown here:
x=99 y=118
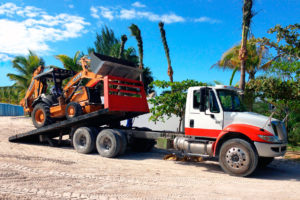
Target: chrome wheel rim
x=236 y=158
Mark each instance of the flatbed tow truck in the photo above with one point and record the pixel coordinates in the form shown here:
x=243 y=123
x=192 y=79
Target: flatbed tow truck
x=216 y=125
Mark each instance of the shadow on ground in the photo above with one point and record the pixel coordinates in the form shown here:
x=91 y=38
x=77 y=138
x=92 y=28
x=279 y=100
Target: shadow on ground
x=279 y=169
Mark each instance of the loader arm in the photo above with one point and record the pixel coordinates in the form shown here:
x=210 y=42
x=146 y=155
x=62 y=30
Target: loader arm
x=34 y=88
x=95 y=78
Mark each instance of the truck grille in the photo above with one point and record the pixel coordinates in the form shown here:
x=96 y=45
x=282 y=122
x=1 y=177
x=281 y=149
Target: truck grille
x=280 y=130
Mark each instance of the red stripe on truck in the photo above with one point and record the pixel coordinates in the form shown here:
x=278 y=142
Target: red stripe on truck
x=202 y=132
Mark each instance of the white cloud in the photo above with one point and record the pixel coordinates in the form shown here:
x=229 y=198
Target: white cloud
x=106 y=13
x=133 y=14
x=138 y=5
x=4 y=57
x=34 y=29
x=207 y=20
x=94 y=12
x=71 y=6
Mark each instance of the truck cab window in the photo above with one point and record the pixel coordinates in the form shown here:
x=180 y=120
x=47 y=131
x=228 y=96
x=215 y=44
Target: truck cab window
x=196 y=99
x=230 y=101
x=213 y=103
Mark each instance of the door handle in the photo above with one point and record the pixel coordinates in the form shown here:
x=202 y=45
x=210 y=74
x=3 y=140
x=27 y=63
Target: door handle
x=191 y=123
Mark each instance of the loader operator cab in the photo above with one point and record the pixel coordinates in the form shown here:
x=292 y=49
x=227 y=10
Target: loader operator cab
x=54 y=76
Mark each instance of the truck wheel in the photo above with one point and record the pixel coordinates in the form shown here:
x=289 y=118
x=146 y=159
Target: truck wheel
x=142 y=145
x=237 y=157
x=84 y=140
x=73 y=109
x=123 y=143
x=108 y=143
x=41 y=115
x=264 y=162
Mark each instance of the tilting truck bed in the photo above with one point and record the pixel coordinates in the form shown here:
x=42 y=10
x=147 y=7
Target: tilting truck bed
x=97 y=118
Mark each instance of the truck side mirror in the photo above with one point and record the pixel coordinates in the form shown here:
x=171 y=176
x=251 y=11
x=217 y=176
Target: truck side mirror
x=202 y=106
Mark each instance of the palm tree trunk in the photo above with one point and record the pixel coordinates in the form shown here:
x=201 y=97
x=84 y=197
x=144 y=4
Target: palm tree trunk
x=135 y=31
x=247 y=15
x=123 y=40
x=164 y=41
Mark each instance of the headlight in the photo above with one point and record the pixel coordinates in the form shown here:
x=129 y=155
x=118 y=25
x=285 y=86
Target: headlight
x=272 y=139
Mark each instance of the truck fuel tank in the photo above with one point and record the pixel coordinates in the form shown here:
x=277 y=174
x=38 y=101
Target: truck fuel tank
x=193 y=146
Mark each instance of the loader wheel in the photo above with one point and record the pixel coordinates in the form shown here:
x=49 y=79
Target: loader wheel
x=84 y=140
x=123 y=141
x=238 y=158
x=73 y=109
x=108 y=143
x=41 y=115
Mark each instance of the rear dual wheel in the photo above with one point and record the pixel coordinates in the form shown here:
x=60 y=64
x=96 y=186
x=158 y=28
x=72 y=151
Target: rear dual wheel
x=111 y=143
x=84 y=139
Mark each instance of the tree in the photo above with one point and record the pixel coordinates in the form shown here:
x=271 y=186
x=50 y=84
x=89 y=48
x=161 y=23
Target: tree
x=147 y=80
x=70 y=63
x=257 y=55
x=104 y=42
x=123 y=40
x=107 y=44
x=287 y=41
x=135 y=31
x=171 y=103
x=10 y=94
x=25 y=66
x=164 y=41
x=247 y=16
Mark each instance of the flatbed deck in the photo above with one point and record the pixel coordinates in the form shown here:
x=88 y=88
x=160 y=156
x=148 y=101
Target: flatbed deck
x=97 y=118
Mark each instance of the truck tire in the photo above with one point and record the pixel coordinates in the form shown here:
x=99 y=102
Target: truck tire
x=142 y=145
x=238 y=157
x=108 y=143
x=84 y=140
x=263 y=162
x=123 y=143
x=73 y=109
x=41 y=115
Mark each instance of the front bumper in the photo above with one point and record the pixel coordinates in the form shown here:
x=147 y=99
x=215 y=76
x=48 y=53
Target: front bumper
x=270 y=150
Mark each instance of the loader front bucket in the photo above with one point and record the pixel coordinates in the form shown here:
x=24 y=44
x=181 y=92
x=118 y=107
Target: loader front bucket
x=106 y=65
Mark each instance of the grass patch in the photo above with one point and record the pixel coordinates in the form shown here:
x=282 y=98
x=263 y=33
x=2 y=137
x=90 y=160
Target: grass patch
x=293 y=148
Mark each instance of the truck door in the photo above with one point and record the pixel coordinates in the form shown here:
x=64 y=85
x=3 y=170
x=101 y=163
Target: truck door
x=207 y=123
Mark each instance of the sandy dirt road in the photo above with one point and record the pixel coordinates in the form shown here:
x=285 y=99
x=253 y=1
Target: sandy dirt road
x=43 y=172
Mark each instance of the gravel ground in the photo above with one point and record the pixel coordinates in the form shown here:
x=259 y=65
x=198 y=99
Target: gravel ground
x=33 y=171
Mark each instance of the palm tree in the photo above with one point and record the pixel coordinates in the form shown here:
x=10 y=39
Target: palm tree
x=164 y=41
x=255 y=61
x=247 y=16
x=25 y=66
x=70 y=63
x=135 y=31
x=104 y=42
x=123 y=40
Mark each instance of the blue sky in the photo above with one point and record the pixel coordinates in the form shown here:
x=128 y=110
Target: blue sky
x=198 y=31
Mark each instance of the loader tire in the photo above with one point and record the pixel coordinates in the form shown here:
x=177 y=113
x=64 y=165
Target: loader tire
x=108 y=143
x=84 y=140
x=41 y=115
x=73 y=109
x=238 y=157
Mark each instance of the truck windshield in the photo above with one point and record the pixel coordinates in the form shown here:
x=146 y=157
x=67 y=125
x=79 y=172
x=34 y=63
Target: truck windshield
x=230 y=101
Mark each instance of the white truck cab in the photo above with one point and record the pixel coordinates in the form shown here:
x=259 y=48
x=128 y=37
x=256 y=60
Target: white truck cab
x=217 y=124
